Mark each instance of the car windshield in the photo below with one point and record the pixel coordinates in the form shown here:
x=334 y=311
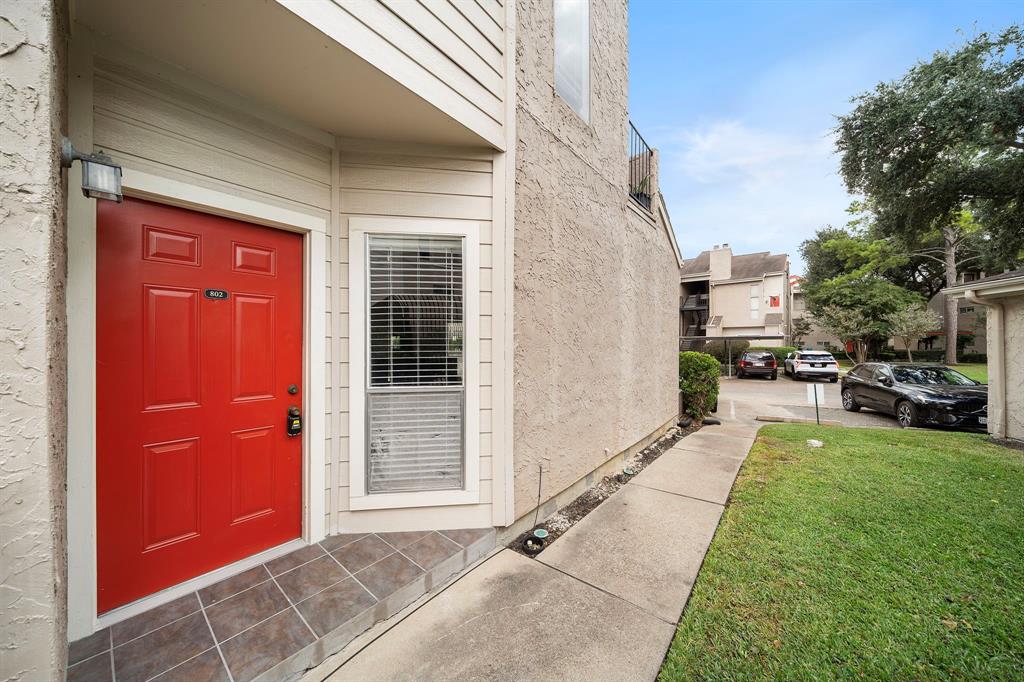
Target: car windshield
x=931 y=376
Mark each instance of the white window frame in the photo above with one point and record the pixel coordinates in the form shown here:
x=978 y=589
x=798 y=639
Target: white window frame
x=755 y=301
x=584 y=110
x=359 y=228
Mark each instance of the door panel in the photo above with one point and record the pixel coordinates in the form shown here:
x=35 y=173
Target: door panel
x=170 y=353
x=194 y=468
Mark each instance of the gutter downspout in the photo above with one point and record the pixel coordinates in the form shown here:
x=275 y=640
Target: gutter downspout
x=996 y=361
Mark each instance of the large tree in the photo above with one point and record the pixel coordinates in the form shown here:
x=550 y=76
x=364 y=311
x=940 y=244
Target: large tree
x=939 y=155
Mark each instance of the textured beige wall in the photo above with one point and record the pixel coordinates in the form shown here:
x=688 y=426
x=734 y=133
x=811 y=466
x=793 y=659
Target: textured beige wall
x=32 y=352
x=1013 y=339
x=596 y=286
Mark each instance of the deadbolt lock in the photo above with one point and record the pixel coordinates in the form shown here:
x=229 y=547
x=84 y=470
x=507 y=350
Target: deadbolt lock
x=293 y=424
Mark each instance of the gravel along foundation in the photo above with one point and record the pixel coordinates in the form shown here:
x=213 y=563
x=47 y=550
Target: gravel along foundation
x=569 y=515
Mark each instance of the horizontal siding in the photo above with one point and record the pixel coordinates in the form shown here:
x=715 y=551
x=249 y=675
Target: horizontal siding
x=467 y=31
x=390 y=180
x=449 y=53
x=145 y=118
x=438 y=59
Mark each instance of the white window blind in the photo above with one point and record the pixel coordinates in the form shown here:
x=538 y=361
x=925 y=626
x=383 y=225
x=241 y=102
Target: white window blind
x=572 y=54
x=415 y=390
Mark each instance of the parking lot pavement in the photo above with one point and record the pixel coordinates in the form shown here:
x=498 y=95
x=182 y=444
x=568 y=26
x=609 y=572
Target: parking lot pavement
x=747 y=398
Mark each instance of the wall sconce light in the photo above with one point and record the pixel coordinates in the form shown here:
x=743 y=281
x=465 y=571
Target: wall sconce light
x=101 y=177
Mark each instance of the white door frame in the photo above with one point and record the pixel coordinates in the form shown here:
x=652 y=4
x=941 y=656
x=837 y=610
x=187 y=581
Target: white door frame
x=81 y=444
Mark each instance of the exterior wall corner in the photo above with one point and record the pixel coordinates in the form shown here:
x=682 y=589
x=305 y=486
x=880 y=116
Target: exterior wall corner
x=33 y=377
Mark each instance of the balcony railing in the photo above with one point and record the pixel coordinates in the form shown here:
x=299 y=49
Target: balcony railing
x=694 y=302
x=640 y=168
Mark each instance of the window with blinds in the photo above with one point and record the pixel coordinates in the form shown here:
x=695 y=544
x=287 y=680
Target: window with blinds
x=415 y=389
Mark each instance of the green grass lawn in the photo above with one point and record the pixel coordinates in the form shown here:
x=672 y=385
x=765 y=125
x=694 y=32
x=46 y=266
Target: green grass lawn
x=975 y=370
x=885 y=554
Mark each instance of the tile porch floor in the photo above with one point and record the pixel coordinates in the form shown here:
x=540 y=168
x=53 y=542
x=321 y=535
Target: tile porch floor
x=280 y=617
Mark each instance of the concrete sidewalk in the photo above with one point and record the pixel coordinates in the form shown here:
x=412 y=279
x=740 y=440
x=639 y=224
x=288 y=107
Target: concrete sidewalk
x=601 y=603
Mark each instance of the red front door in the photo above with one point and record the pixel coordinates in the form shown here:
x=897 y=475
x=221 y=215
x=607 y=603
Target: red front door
x=198 y=359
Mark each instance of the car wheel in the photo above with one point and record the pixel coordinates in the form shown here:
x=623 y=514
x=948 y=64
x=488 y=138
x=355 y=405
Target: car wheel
x=833 y=380
x=906 y=414
x=849 y=402
x=775 y=375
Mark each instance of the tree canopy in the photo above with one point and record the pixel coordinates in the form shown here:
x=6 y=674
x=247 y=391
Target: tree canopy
x=946 y=137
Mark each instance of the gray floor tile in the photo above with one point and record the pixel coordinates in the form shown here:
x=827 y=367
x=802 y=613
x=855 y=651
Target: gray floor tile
x=95 y=669
x=162 y=649
x=260 y=648
x=466 y=536
x=154 y=618
x=307 y=580
x=233 y=585
x=296 y=558
x=402 y=539
x=334 y=542
x=206 y=667
x=87 y=647
x=335 y=606
x=362 y=553
x=387 y=575
x=245 y=609
x=431 y=550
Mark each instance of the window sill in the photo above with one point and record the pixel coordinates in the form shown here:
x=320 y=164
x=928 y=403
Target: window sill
x=429 y=498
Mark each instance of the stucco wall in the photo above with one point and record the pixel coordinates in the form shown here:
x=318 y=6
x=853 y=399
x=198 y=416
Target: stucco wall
x=596 y=285
x=32 y=359
x=1013 y=339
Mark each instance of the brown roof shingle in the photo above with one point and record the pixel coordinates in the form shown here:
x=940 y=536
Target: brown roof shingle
x=744 y=266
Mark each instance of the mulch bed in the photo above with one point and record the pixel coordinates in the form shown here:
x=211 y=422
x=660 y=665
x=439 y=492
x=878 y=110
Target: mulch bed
x=569 y=515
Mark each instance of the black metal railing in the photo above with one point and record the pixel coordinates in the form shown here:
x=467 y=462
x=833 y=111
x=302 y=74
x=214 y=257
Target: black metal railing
x=640 y=168
x=694 y=302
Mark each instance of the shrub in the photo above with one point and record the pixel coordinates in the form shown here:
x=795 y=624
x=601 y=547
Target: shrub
x=698 y=381
x=780 y=352
x=717 y=350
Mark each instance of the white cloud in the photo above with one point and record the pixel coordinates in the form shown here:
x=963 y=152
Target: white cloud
x=755 y=189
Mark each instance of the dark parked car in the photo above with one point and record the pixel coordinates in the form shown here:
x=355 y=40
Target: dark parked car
x=755 y=363
x=917 y=394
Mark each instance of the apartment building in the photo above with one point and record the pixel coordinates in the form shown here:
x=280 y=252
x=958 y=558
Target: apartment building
x=743 y=296
x=303 y=287
x=817 y=338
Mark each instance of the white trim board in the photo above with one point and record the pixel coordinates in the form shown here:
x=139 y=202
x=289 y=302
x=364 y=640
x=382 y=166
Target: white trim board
x=153 y=186
x=359 y=228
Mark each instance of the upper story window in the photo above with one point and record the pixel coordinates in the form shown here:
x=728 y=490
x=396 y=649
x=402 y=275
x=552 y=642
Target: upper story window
x=572 y=54
x=755 y=301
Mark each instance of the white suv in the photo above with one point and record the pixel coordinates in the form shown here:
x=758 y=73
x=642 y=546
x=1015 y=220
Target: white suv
x=804 y=364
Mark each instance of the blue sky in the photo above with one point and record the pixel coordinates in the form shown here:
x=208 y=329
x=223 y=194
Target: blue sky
x=740 y=98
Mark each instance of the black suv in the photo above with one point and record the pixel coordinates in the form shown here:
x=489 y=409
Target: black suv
x=917 y=394
x=755 y=363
